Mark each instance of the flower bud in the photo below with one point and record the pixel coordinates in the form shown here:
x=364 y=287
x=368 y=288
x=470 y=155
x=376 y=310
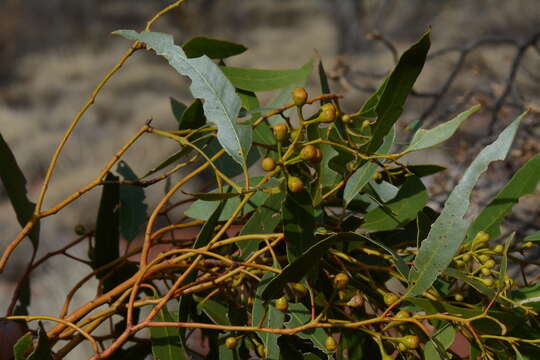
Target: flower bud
x=282 y=304
x=281 y=132
x=230 y=343
x=330 y=343
x=341 y=281
x=299 y=96
x=295 y=184
x=328 y=113
x=308 y=153
x=268 y=164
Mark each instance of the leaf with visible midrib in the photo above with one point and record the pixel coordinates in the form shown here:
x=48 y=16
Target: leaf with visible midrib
x=522 y=183
x=221 y=105
x=424 y=139
x=397 y=88
x=448 y=231
x=265 y=80
x=165 y=339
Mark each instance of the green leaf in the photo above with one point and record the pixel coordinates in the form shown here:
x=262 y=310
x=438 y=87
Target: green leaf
x=411 y=198
x=177 y=108
x=213 y=48
x=440 y=341
x=504 y=260
x=216 y=311
x=166 y=343
x=274 y=319
x=300 y=315
x=15 y=185
x=107 y=225
x=132 y=206
x=221 y=105
x=522 y=183
x=264 y=220
x=364 y=173
x=398 y=175
x=424 y=139
x=43 y=349
x=325 y=88
x=398 y=87
x=202 y=210
x=266 y=80
x=283 y=98
x=369 y=107
x=448 y=231
x=23 y=346
x=533 y=237
x=192 y=117
x=298 y=223
x=474 y=283
x=296 y=270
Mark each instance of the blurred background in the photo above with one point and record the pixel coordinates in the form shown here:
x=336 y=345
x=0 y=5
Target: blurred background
x=53 y=53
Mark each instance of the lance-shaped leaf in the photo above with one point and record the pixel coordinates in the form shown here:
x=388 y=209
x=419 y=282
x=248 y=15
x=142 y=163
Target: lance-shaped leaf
x=424 y=139
x=23 y=347
x=107 y=232
x=266 y=80
x=522 y=183
x=397 y=88
x=411 y=198
x=43 y=348
x=440 y=341
x=132 y=206
x=267 y=316
x=166 y=343
x=213 y=48
x=296 y=270
x=221 y=104
x=298 y=223
x=300 y=315
x=448 y=231
x=533 y=237
x=263 y=221
x=15 y=185
x=364 y=173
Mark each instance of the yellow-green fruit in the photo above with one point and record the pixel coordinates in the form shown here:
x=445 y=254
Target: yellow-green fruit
x=410 y=341
x=347 y=119
x=527 y=245
x=466 y=257
x=458 y=297
x=365 y=124
x=230 y=343
x=295 y=184
x=490 y=264
x=390 y=298
x=377 y=176
x=299 y=96
x=80 y=229
x=485 y=271
x=481 y=237
x=281 y=132
x=299 y=289
x=487 y=282
x=402 y=347
x=386 y=357
x=460 y=263
x=341 y=281
x=282 y=304
x=330 y=343
x=308 y=153
x=261 y=351
x=498 y=249
x=328 y=113
x=268 y=164
x=402 y=314
x=484 y=258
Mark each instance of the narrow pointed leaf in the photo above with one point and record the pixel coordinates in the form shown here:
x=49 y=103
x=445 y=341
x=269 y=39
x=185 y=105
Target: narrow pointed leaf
x=221 y=104
x=15 y=185
x=177 y=108
x=449 y=230
x=364 y=173
x=107 y=225
x=522 y=183
x=166 y=343
x=533 y=237
x=411 y=198
x=43 y=348
x=266 y=80
x=263 y=221
x=213 y=48
x=300 y=315
x=132 y=206
x=442 y=339
x=396 y=90
x=298 y=223
x=192 y=117
x=424 y=139
x=295 y=271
